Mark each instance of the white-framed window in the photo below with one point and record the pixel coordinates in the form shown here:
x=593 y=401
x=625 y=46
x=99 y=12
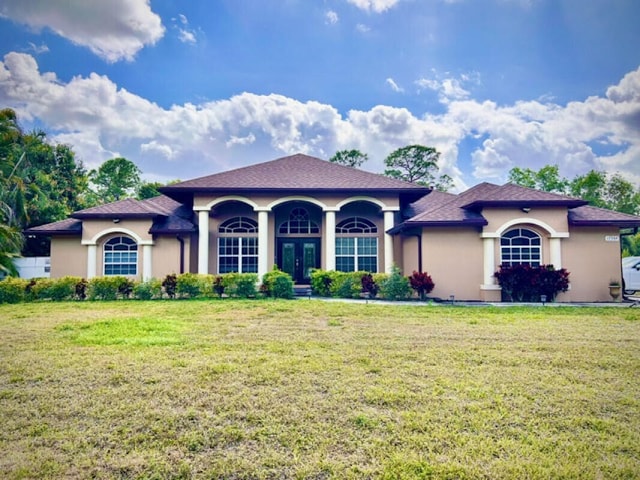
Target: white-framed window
x=238 y=246
x=299 y=222
x=356 y=245
x=121 y=256
x=520 y=246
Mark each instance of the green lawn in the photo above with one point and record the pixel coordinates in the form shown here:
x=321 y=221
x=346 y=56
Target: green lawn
x=311 y=389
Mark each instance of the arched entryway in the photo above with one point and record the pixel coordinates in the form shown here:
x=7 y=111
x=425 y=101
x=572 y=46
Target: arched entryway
x=298 y=228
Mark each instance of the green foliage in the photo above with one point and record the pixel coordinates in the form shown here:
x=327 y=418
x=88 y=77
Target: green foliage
x=631 y=245
x=277 y=284
x=422 y=283
x=149 y=290
x=109 y=288
x=241 y=285
x=523 y=283
x=57 y=289
x=417 y=164
x=13 y=290
x=347 y=285
x=321 y=281
x=395 y=286
x=115 y=179
x=546 y=179
x=188 y=285
x=350 y=158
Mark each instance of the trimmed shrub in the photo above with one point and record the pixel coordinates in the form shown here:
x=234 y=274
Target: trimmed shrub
x=104 y=288
x=218 y=285
x=277 y=284
x=395 y=286
x=347 y=285
x=523 y=283
x=241 y=285
x=149 y=290
x=422 y=283
x=321 y=281
x=188 y=285
x=13 y=290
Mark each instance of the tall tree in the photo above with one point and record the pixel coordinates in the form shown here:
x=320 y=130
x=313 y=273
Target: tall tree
x=417 y=164
x=547 y=179
x=350 y=158
x=116 y=179
x=39 y=182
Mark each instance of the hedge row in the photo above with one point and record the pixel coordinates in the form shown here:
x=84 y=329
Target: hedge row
x=393 y=286
x=188 y=285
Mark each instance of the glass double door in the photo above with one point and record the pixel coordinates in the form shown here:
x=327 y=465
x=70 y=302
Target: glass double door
x=298 y=256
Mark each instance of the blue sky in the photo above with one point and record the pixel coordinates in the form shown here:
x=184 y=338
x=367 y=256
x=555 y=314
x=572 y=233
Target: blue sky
x=186 y=89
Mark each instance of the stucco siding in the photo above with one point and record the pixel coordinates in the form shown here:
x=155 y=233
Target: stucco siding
x=453 y=258
x=68 y=257
x=592 y=262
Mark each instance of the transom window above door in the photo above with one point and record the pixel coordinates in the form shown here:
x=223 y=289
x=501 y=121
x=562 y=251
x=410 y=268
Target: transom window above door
x=239 y=225
x=299 y=222
x=521 y=246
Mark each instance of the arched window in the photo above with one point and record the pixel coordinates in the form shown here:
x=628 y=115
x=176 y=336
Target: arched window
x=238 y=245
x=356 y=245
x=299 y=222
x=121 y=256
x=520 y=246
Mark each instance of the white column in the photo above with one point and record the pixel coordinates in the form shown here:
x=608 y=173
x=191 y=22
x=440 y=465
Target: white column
x=263 y=243
x=203 y=241
x=92 y=261
x=489 y=261
x=388 y=241
x=147 y=272
x=330 y=240
x=555 y=252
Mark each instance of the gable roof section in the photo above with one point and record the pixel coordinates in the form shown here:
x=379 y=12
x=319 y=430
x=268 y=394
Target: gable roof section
x=588 y=216
x=168 y=216
x=465 y=209
x=295 y=173
x=511 y=195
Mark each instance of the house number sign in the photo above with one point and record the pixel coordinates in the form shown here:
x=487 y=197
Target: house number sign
x=612 y=238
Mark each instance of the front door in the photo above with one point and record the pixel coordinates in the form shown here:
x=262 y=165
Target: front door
x=298 y=256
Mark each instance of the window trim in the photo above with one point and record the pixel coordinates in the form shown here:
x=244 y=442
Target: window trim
x=108 y=248
x=245 y=231
x=510 y=248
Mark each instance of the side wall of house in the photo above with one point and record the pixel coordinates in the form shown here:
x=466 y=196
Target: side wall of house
x=453 y=259
x=592 y=257
x=68 y=257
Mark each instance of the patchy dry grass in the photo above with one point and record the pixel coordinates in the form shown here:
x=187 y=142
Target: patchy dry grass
x=309 y=389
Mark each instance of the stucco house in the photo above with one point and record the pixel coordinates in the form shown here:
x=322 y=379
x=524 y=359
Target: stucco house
x=301 y=213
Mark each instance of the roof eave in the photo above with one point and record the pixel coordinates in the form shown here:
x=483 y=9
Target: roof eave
x=605 y=223
x=439 y=223
x=524 y=203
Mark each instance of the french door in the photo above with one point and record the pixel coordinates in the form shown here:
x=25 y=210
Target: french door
x=298 y=256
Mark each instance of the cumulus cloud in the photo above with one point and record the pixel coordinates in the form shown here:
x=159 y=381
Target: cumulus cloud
x=102 y=120
x=377 y=6
x=331 y=17
x=114 y=30
x=448 y=88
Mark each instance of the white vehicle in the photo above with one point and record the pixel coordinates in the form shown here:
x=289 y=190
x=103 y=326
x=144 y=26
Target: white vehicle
x=631 y=274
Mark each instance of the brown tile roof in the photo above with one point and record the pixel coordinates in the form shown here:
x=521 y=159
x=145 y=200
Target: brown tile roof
x=68 y=226
x=294 y=173
x=488 y=194
x=168 y=216
x=594 y=216
x=444 y=209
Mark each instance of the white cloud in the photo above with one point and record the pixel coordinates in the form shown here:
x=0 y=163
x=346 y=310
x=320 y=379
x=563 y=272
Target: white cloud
x=377 y=6
x=37 y=49
x=448 y=88
x=185 y=34
x=331 y=17
x=394 y=86
x=101 y=120
x=362 y=28
x=114 y=30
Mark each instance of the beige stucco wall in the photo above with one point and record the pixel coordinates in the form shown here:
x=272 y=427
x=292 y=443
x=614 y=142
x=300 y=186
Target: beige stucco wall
x=454 y=259
x=554 y=218
x=166 y=255
x=592 y=262
x=68 y=257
